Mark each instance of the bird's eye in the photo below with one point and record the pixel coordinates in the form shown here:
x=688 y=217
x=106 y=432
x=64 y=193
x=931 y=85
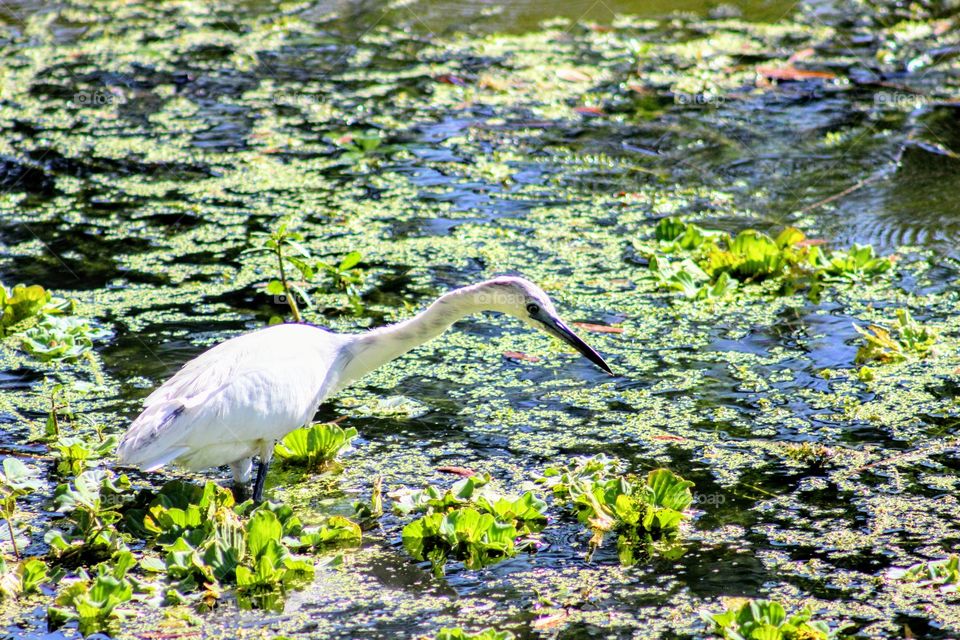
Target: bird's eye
x=533 y=309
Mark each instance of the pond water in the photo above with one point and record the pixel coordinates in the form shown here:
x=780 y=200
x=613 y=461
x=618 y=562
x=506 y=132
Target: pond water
x=144 y=144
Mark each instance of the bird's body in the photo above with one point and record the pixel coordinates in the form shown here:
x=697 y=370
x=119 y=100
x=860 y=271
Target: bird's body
x=233 y=401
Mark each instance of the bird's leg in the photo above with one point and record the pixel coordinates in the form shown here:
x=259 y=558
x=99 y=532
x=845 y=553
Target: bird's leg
x=260 y=481
x=265 y=456
x=241 y=492
x=241 y=479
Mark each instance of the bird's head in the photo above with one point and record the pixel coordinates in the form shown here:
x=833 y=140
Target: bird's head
x=526 y=301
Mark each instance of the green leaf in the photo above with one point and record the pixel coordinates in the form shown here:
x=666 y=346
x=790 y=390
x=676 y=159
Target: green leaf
x=153 y=564
x=307 y=271
x=336 y=531
x=464 y=534
x=296 y=246
x=766 y=632
x=244 y=577
x=18 y=477
x=758 y=254
x=669 y=490
x=297 y=571
x=349 y=261
x=22 y=303
x=33 y=573
x=669 y=229
x=226 y=550
x=789 y=237
x=315 y=446
x=302 y=295
x=263 y=529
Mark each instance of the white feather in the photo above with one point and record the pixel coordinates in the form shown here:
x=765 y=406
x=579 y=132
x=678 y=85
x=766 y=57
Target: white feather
x=233 y=401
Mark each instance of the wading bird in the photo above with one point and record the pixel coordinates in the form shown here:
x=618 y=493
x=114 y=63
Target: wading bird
x=234 y=401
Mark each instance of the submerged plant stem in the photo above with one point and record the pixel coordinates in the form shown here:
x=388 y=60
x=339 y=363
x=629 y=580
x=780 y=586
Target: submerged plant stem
x=13 y=538
x=286 y=288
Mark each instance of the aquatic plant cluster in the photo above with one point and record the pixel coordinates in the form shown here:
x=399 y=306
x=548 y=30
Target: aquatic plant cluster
x=775 y=458
x=191 y=543
x=712 y=262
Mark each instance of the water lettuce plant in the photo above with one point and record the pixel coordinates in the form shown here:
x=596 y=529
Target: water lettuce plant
x=751 y=254
x=21 y=302
x=860 y=262
x=94 y=601
x=359 y=145
x=315 y=447
x=336 y=531
x=267 y=564
x=944 y=573
x=639 y=512
x=74 y=454
x=583 y=472
x=208 y=542
x=16 y=481
x=22 y=578
x=710 y=263
x=468 y=522
x=526 y=512
x=28 y=302
x=766 y=620
x=43 y=332
x=367 y=512
x=180 y=509
x=478 y=539
x=688 y=278
x=92 y=505
x=433 y=498
x=60 y=338
x=906 y=339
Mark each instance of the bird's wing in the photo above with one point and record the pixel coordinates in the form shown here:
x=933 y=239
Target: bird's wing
x=208 y=370
x=254 y=387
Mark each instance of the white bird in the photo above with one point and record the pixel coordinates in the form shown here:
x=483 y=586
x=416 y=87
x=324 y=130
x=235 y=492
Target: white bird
x=235 y=400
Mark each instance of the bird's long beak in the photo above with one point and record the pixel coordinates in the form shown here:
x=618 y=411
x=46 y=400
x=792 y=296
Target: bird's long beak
x=562 y=331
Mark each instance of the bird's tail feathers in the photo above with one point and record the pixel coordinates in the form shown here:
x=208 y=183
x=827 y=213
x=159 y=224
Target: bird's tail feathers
x=147 y=443
x=165 y=458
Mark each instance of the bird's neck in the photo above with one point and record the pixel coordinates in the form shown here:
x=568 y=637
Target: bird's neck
x=373 y=349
